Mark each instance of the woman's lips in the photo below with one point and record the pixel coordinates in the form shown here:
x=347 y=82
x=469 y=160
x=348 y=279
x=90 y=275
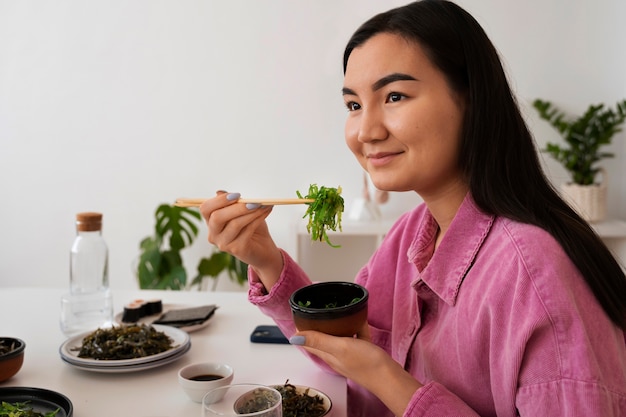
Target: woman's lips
x=381 y=158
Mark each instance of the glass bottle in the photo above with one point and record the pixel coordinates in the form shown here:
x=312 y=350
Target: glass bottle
x=89 y=304
x=89 y=256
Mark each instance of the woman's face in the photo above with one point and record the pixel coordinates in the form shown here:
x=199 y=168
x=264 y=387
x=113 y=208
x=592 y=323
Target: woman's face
x=404 y=121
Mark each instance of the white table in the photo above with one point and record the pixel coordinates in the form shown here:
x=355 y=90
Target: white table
x=32 y=314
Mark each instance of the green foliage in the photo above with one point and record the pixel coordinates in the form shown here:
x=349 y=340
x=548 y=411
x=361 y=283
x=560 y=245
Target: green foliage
x=585 y=136
x=218 y=262
x=161 y=263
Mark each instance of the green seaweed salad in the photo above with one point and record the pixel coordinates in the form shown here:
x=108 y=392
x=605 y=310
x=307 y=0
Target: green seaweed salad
x=22 y=410
x=324 y=212
x=297 y=404
x=124 y=342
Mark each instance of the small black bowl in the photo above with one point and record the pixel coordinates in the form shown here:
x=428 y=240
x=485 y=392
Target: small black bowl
x=337 y=308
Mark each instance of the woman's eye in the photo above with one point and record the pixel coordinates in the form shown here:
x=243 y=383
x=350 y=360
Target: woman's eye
x=393 y=97
x=352 y=106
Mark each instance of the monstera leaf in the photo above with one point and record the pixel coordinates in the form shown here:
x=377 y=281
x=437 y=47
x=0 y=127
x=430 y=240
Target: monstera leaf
x=160 y=266
x=179 y=222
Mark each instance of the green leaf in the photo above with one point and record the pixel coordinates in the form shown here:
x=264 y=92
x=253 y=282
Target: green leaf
x=149 y=266
x=176 y=279
x=212 y=266
x=238 y=271
x=177 y=222
x=219 y=262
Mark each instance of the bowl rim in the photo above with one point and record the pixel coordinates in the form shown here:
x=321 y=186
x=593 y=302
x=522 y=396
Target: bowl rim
x=194 y=387
x=329 y=312
x=185 y=369
x=15 y=352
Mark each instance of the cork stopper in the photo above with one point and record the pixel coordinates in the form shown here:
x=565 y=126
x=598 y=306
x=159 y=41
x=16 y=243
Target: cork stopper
x=88 y=222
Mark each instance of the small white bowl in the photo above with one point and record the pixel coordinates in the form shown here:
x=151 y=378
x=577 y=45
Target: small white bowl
x=195 y=389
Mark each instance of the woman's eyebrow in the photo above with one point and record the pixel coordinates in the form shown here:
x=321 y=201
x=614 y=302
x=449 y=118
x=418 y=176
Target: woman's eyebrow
x=388 y=79
x=347 y=92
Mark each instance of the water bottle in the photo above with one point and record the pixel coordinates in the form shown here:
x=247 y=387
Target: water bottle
x=89 y=256
x=89 y=304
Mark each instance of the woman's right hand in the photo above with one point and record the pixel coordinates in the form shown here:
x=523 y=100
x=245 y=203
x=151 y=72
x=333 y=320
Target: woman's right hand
x=241 y=230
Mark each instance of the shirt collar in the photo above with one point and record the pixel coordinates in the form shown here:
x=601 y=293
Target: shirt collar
x=444 y=271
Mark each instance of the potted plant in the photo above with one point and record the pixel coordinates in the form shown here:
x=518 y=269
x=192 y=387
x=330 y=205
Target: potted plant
x=160 y=263
x=585 y=137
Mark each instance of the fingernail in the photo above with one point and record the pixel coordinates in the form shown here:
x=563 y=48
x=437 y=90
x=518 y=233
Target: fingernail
x=233 y=196
x=221 y=192
x=297 y=340
x=252 y=206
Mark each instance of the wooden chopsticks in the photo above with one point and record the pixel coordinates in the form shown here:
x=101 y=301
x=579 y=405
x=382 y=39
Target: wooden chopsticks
x=195 y=202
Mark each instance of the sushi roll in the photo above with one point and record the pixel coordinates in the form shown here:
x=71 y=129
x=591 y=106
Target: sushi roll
x=154 y=306
x=134 y=311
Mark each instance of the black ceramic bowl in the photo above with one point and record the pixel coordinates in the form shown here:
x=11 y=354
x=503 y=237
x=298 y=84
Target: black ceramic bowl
x=13 y=357
x=336 y=308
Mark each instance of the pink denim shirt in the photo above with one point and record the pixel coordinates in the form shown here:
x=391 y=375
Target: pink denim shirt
x=496 y=322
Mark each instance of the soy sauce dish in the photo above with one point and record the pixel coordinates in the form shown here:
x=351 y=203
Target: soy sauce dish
x=337 y=308
x=199 y=378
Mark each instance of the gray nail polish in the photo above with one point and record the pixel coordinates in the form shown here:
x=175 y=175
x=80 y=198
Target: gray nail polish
x=252 y=206
x=297 y=340
x=233 y=196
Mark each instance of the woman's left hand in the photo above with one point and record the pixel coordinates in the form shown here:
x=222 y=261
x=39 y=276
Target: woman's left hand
x=364 y=363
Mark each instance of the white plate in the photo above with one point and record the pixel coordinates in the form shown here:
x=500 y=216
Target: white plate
x=179 y=337
x=154 y=317
x=132 y=368
x=177 y=354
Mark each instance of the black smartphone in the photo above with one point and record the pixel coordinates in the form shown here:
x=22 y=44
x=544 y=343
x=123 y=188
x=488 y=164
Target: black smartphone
x=268 y=334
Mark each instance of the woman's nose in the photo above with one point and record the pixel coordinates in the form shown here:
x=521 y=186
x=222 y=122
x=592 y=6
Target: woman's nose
x=372 y=126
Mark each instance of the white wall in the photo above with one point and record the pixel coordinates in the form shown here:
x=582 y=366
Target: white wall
x=119 y=105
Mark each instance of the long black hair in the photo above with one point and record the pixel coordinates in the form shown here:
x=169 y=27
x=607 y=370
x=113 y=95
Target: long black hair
x=498 y=156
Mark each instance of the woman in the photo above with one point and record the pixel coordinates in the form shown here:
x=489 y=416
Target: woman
x=493 y=298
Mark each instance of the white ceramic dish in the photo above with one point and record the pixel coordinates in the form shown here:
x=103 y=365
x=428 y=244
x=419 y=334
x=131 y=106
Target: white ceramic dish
x=180 y=338
x=194 y=389
x=131 y=368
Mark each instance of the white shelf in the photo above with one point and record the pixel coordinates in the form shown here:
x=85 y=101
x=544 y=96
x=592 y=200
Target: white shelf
x=354 y=228
x=613 y=233
x=359 y=240
x=612 y=229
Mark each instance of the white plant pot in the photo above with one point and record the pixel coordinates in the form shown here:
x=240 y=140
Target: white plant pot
x=588 y=200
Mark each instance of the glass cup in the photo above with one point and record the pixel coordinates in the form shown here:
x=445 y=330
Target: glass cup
x=85 y=312
x=241 y=400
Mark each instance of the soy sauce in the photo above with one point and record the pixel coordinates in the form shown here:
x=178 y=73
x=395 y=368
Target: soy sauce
x=206 y=377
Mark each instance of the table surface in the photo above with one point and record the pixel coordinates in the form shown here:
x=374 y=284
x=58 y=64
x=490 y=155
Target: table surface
x=32 y=314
